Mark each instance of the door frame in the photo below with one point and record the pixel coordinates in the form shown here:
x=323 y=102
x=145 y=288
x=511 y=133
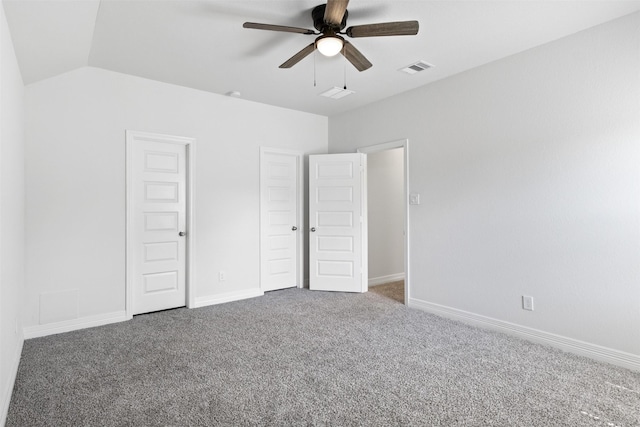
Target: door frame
x=133 y=137
x=402 y=143
x=299 y=209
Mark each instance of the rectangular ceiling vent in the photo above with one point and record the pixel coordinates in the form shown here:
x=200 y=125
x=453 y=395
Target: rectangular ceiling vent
x=416 y=67
x=336 y=93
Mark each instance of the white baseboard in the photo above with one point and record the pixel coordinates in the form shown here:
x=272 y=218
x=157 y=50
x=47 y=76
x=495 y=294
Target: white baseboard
x=121 y=316
x=593 y=351
x=381 y=280
x=227 y=297
x=75 y=324
x=8 y=389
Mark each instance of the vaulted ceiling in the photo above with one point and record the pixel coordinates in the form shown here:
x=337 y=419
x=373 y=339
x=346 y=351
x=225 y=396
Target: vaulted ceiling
x=202 y=44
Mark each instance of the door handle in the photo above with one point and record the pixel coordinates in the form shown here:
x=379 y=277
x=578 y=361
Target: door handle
x=182 y=234
x=313 y=229
x=294 y=228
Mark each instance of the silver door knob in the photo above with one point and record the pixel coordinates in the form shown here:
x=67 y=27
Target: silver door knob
x=294 y=228
x=182 y=234
x=313 y=229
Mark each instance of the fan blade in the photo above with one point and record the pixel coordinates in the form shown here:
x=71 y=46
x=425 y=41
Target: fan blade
x=270 y=27
x=402 y=28
x=299 y=56
x=354 y=56
x=334 y=12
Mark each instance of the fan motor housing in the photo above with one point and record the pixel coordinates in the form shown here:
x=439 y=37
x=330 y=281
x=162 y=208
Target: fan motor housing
x=318 y=19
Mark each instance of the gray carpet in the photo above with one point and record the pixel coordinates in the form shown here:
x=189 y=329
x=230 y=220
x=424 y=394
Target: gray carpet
x=297 y=357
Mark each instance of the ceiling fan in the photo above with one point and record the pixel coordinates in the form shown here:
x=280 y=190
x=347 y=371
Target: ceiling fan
x=330 y=19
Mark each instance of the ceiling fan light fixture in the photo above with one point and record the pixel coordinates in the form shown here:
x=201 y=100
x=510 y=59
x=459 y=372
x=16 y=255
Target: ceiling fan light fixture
x=329 y=45
x=330 y=21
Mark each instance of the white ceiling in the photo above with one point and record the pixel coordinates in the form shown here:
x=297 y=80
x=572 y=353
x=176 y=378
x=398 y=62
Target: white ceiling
x=201 y=44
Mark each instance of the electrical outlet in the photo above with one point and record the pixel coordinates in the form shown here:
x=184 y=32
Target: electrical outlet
x=222 y=276
x=527 y=303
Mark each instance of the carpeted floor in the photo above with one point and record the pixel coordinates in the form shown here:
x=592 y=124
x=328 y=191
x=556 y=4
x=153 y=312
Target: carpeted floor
x=297 y=357
x=392 y=290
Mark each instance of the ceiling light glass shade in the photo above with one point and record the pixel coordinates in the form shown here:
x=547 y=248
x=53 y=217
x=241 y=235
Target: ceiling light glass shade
x=330 y=46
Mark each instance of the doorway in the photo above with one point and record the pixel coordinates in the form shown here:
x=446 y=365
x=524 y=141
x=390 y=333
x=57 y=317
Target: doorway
x=388 y=221
x=159 y=222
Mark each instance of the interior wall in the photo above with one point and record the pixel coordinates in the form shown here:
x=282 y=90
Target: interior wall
x=75 y=174
x=528 y=173
x=385 y=200
x=11 y=215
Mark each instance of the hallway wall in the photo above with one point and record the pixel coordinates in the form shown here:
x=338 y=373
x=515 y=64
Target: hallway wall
x=385 y=188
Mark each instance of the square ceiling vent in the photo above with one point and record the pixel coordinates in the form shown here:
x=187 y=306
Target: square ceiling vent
x=416 y=67
x=336 y=93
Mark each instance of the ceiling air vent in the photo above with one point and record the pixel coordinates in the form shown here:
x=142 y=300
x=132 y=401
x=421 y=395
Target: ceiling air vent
x=416 y=67
x=336 y=93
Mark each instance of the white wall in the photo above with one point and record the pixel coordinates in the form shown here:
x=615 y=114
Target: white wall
x=528 y=171
x=385 y=203
x=11 y=215
x=75 y=174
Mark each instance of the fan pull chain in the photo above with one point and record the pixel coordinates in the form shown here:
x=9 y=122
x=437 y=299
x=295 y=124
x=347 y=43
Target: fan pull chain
x=315 y=53
x=345 y=68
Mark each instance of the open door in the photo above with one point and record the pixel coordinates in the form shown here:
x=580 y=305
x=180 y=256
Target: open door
x=338 y=223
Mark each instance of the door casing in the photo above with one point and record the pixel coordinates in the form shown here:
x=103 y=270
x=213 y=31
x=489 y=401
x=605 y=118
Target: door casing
x=403 y=143
x=133 y=137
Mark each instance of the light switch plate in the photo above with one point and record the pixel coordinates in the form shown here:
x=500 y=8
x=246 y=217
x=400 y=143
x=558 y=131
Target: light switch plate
x=414 y=198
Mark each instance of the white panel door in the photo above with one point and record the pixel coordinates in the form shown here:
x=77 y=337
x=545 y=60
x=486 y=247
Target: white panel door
x=159 y=225
x=279 y=217
x=337 y=219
